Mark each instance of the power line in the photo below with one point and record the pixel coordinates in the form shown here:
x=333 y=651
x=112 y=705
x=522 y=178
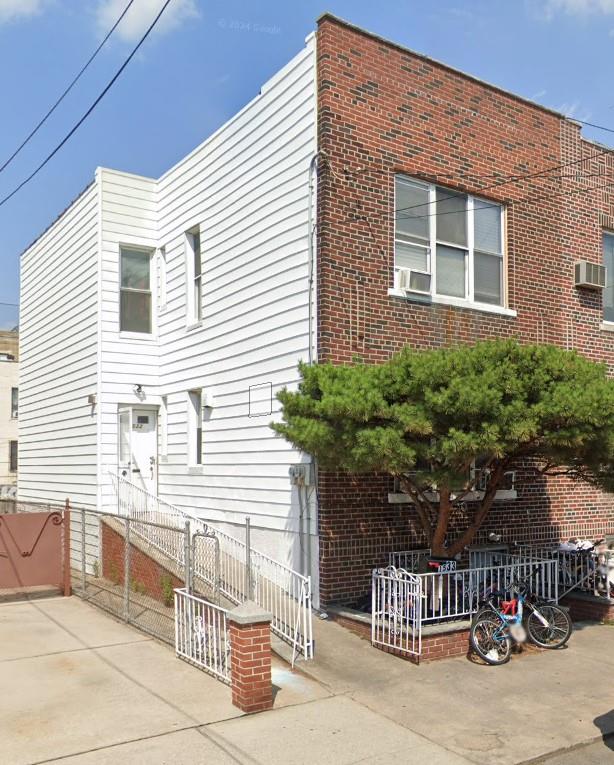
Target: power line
x=512 y=203
x=15 y=305
x=89 y=111
x=66 y=92
x=592 y=124
x=526 y=176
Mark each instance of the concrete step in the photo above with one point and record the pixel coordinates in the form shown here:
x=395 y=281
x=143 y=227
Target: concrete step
x=13 y=594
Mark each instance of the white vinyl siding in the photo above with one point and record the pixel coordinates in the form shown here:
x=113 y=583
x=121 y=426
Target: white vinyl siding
x=58 y=359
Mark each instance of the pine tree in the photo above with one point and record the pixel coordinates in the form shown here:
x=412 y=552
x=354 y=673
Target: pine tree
x=426 y=417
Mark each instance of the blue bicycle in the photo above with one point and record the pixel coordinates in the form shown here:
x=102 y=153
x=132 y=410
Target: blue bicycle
x=516 y=616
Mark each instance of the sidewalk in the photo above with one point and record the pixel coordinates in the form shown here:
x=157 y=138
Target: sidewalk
x=83 y=689
x=540 y=703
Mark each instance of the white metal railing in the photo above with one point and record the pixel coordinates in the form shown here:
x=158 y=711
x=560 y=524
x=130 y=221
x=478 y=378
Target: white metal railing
x=201 y=634
x=457 y=594
x=396 y=610
x=285 y=593
x=408 y=560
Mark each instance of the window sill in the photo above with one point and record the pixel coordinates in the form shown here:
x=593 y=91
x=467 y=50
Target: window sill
x=607 y=326
x=504 y=495
x=195 y=469
x=457 y=302
x=192 y=327
x=141 y=336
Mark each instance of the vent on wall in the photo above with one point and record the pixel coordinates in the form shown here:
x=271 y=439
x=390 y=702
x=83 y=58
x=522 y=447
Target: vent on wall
x=590 y=275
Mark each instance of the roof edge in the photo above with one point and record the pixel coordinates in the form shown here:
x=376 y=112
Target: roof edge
x=328 y=16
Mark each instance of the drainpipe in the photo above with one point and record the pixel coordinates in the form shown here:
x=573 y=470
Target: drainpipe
x=310 y=248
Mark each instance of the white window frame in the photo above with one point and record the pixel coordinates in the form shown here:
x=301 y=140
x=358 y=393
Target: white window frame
x=469 y=300
x=194 y=423
x=153 y=282
x=193 y=311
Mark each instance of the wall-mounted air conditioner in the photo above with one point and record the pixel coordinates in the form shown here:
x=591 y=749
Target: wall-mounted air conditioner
x=414 y=281
x=589 y=275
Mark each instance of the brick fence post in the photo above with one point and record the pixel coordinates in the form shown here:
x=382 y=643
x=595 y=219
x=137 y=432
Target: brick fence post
x=250 y=657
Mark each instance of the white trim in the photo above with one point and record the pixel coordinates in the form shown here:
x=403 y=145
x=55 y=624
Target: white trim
x=503 y=495
x=607 y=326
x=457 y=302
x=142 y=336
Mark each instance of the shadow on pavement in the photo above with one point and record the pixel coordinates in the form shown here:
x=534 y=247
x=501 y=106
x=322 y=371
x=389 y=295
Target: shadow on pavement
x=605 y=723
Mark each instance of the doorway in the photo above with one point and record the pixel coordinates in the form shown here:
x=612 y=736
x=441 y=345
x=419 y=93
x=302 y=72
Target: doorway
x=138 y=446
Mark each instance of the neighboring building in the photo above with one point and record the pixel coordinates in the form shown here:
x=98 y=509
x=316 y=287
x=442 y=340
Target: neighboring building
x=191 y=298
x=9 y=397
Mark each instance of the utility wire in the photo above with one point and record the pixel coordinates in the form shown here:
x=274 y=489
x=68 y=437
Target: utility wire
x=89 y=111
x=16 y=305
x=525 y=176
x=66 y=92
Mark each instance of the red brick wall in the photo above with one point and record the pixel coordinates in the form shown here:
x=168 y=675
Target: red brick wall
x=146 y=574
x=384 y=110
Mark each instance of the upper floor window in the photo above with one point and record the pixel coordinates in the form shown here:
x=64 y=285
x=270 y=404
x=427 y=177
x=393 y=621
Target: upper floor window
x=135 y=291
x=194 y=276
x=14 y=403
x=608 y=262
x=448 y=244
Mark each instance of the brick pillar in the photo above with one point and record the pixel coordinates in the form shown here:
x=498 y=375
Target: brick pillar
x=250 y=657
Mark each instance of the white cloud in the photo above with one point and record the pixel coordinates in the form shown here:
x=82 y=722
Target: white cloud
x=579 y=7
x=140 y=16
x=12 y=10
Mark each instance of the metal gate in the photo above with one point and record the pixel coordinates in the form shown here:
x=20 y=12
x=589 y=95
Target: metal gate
x=34 y=550
x=201 y=634
x=396 y=610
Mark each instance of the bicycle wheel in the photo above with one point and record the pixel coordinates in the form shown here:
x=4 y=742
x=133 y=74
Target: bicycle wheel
x=556 y=632
x=489 y=640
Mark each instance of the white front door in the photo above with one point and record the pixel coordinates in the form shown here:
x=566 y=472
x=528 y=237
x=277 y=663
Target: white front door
x=138 y=446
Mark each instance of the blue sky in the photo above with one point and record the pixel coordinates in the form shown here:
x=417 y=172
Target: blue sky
x=210 y=57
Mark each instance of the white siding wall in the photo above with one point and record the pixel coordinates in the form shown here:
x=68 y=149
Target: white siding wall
x=128 y=217
x=247 y=189
x=58 y=359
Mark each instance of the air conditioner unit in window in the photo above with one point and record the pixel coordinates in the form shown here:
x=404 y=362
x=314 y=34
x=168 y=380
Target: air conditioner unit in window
x=414 y=281
x=589 y=275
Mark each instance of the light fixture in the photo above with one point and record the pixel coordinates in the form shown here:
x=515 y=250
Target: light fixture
x=91 y=399
x=138 y=389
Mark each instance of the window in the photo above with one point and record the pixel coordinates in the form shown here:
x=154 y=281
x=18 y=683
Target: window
x=135 y=300
x=447 y=244
x=608 y=262
x=13 y=456
x=194 y=276
x=195 y=427
x=14 y=403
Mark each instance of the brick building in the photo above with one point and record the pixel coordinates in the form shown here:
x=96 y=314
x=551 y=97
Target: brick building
x=445 y=209
x=496 y=260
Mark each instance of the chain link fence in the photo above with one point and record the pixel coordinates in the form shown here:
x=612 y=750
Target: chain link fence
x=115 y=569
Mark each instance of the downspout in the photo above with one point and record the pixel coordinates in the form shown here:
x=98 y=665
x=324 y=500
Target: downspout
x=303 y=498
x=310 y=249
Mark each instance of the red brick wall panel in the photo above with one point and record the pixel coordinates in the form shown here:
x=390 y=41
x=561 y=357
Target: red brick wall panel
x=384 y=110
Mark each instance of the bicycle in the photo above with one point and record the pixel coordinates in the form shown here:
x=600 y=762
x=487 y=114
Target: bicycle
x=501 y=620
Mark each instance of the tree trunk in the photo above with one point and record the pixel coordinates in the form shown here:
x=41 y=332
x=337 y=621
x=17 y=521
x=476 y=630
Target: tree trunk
x=440 y=534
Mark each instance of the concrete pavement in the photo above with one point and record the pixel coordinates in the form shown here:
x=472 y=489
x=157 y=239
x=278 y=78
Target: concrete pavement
x=81 y=688
x=541 y=702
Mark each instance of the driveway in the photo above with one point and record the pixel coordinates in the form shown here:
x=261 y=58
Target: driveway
x=81 y=688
